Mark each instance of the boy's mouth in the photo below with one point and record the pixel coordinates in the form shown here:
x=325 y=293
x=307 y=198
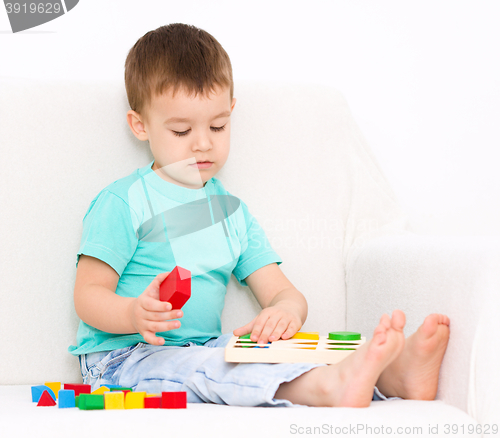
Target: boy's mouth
x=202 y=164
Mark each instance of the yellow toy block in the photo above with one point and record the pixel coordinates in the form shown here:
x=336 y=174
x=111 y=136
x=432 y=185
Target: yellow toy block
x=114 y=400
x=153 y=395
x=55 y=386
x=135 y=400
x=101 y=390
x=313 y=336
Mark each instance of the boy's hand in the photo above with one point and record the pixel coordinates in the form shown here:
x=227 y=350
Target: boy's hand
x=149 y=315
x=271 y=324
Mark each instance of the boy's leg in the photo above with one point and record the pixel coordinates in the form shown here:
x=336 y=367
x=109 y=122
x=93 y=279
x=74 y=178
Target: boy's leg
x=205 y=376
x=350 y=383
x=414 y=373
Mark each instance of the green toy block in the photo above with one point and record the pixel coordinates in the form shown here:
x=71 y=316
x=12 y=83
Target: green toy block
x=89 y=402
x=119 y=388
x=344 y=336
x=77 y=399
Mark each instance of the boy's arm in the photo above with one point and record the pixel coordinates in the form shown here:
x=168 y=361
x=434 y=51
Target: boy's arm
x=284 y=307
x=98 y=305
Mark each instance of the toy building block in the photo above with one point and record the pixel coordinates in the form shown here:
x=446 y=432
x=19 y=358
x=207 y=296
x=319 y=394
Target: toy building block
x=101 y=390
x=46 y=399
x=119 y=388
x=176 y=288
x=152 y=402
x=37 y=391
x=79 y=388
x=67 y=398
x=77 y=399
x=55 y=386
x=174 y=400
x=114 y=400
x=135 y=400
x=89 y=402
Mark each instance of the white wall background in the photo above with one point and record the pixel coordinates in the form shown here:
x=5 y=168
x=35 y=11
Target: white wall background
x=422 y=79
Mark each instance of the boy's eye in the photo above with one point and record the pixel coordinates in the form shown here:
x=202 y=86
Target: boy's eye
x=213 y=128
x=180 y=134
x=220 y=128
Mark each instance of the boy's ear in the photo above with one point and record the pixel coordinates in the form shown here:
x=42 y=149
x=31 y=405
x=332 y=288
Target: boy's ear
x=136 y=124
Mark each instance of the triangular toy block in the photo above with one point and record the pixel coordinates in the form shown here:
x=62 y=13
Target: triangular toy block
x=79 y=388
x=67 y=398
x=37 y=391
x=176 y=288
x=101 y=390
x=46 y=400
x=174 y=400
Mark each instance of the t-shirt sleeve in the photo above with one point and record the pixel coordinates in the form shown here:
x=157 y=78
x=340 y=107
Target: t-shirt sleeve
x=108 y=232
x=256 y=251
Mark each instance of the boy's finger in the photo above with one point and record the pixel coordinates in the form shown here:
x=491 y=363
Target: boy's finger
x=150 y=338
x=258 y=327
x=154 y=287
x=161 y=326
x=290 y=331
x=163 y=316
x=266 y=331
x=151 y=304
x=247 y=328
x=279 y=330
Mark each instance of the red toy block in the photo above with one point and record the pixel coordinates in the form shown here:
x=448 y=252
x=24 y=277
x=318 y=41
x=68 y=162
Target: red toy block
x=152 y=403
x=46 y=400
x=174 y=400
x=79 y=388
x=176 y=288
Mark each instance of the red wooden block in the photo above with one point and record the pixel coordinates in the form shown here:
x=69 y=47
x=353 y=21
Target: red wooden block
x=46 y=400
x=176 y=288
x=152 y=403
x=173 y=400
x=79 y=388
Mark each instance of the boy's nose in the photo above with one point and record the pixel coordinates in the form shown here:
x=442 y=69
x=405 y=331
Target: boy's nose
x=202 y=143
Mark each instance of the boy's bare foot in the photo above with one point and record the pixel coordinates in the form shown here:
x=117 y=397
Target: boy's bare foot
x=414 y=374
x=350 y=383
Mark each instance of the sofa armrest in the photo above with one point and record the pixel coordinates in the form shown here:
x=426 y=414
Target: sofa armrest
x=484 y=381
x=422 y=275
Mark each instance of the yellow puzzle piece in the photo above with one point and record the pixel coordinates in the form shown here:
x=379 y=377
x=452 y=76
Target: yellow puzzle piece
x=306 y=335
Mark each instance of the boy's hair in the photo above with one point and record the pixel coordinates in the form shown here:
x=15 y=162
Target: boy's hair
x=174 y=56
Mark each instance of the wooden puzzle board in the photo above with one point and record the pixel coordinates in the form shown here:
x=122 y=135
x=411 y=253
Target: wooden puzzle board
x=290 y=351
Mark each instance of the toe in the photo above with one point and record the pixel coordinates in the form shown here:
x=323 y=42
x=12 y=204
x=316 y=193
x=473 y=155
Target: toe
x=385 y=321
x=398 y=319
x=430 y=325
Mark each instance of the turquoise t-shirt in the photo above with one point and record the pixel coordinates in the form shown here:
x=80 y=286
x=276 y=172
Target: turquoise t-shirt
x=142 y=225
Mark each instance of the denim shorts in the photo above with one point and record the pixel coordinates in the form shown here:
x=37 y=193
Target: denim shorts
x=200 y=370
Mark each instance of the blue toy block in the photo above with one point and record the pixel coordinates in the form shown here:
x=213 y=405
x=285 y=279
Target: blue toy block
x=37 y=391
x=66 y=398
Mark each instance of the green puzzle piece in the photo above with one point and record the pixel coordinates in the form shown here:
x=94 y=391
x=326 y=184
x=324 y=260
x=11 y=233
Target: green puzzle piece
x=344 y=336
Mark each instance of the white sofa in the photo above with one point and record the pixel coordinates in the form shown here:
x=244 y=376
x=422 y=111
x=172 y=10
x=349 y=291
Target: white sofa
x=304 y=169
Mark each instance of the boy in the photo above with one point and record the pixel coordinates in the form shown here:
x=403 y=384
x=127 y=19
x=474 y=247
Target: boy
x=174 y=212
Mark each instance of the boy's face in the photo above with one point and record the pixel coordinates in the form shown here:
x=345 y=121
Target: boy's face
x=183 y=131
